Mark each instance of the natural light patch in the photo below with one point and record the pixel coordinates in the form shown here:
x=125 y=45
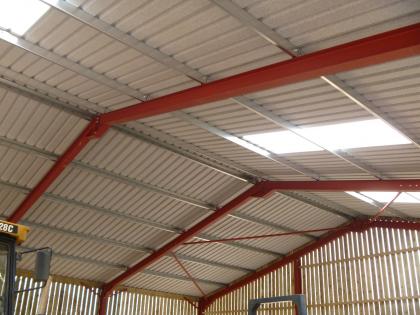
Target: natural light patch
x=360 y=134
x=19 y=15
x=386 y=196
x=282 y=142
x=361 y=197
x=249 y=146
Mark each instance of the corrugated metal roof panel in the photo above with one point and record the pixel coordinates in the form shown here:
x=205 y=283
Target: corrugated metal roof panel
x=393 y=89
x=13 y=68
x=349 y=201
x=291 y=213
x=36 y=124
x=207 y=39
x=199 y=271
x=83 y=220
x=150 y=164
x=157 y=283
x=22 y=168
x=309 y=103
x=203 y=139
x=223 y=229
x=74 y=268
x=227 y=255
x=319 y=24
x=76 y=247
x=9 y=200
x=391 y=159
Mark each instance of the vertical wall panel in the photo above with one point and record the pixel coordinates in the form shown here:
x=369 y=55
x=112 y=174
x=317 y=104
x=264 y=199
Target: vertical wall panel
x=129 y=303
x=74 y=299
x=276 y=283
x=64 y=298
x=375 y=272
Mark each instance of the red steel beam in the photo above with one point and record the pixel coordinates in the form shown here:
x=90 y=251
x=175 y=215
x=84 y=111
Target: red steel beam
x=396 y=44
x=396 y=223
x=254 y=191
x=346 y=185
x=260 y=189
x=94 y=129
x=354 y=226
x=253 y=237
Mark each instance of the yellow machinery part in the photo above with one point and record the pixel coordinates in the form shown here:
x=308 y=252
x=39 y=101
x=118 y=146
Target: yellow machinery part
x=18 y=231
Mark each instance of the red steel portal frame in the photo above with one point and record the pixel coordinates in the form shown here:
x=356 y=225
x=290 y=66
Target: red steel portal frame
x=393 y=45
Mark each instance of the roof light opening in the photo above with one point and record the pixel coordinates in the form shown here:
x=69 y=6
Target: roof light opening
x=386 y=196
x=20 y=15
x=282 y=142
x=360 y=134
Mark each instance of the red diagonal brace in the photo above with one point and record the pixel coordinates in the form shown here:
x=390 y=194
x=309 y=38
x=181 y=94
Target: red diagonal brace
x=254 y=191
x=189 y=275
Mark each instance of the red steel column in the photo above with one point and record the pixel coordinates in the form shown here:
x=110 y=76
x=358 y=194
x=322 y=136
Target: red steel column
x=297 y=276
x=201 y=307
x=297 y=279
x=94 y=129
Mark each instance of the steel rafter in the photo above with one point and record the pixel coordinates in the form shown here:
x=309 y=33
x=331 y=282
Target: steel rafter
x=254 y=191
x=397 y=44
x=354 y=226
x=130 y=181
x=273 y=157
x=94 y=129
x=259 y=190
x=132 y=218
x=123 y=267
x=245 y=18
x=276 y=39
x=376 y=49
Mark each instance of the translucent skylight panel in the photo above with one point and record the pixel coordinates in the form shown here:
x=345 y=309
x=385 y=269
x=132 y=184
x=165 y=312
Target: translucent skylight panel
x=386 y=196
x=360 y=134
x=282 y=142
x=20 y=15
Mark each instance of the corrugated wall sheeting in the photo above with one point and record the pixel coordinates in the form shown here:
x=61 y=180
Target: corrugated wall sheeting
x=374 y=272
x=291 y=213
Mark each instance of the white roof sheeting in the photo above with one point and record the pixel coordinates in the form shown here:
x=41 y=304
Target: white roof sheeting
x=134 y=189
